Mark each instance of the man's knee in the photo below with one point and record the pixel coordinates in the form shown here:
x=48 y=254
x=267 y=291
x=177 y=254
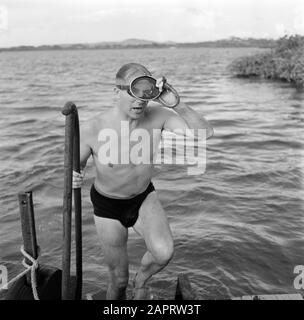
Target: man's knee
x=163 y=252
x=119 y=278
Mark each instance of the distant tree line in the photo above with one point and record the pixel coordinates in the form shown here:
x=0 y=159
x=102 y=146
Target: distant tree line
x=135 y=43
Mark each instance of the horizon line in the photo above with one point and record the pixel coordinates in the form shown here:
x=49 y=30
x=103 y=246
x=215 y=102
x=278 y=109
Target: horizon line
x=167 y=42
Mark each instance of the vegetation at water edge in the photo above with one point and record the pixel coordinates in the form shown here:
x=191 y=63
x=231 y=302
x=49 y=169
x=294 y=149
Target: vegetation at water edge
x=284 y=62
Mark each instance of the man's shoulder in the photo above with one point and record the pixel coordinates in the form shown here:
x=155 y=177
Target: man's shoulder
x=157 y=110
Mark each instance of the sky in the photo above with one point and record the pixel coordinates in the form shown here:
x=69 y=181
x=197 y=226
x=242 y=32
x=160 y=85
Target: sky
x=37 y=22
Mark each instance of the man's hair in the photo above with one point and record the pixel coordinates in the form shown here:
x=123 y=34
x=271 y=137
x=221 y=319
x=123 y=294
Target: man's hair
x=129 y=71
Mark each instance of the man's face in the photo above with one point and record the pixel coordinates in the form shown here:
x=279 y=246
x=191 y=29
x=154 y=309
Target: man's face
x=131 y=106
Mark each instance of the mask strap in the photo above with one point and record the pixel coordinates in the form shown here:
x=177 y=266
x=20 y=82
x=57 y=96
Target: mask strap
x=122 y=87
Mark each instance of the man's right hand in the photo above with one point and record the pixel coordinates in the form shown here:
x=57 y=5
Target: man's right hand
x=78 y=179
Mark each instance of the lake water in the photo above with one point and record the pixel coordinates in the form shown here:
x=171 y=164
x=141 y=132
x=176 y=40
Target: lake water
x=238 y=228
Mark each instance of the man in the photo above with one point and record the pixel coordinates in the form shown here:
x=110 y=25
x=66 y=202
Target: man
x=122 y=194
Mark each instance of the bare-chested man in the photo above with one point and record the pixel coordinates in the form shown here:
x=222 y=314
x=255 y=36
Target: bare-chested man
x=123 y=195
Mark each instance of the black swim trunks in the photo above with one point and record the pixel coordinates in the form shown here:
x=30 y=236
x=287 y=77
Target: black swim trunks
x=124 y=210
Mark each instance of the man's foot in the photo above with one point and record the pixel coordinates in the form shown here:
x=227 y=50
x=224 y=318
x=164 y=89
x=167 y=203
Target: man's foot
x=140 y=293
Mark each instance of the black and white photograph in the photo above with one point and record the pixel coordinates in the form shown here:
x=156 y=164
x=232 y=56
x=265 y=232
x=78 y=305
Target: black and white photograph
x=151 y=150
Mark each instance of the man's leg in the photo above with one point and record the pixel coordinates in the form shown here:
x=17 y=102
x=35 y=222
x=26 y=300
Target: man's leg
x=113 y=237
x=153 y=226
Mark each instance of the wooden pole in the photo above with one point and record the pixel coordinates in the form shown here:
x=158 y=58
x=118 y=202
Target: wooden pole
x=28 y=227
x=71 y=162
x=77 y=205
x=67 y=199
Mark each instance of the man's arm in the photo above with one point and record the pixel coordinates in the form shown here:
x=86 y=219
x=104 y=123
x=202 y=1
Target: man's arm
x=85 y=152
x=85 y=149
x=185 y=117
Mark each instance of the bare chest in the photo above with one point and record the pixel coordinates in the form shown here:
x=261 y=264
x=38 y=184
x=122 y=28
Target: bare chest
x=122 y=146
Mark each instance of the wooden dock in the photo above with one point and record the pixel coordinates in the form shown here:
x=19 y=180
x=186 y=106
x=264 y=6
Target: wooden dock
x=284 y=296
x=184 y=291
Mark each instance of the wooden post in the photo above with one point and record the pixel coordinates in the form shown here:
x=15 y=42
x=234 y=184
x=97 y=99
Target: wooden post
x=184 y=290
x=28 y=227
x=77 y=206
x=71 y=161
x=67 y=200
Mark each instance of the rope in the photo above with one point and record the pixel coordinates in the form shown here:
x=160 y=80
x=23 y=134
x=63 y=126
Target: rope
x=29 y=268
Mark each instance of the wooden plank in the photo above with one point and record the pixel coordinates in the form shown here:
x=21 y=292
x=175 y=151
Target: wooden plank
x=100 y=295
x=184 y=290
x=26 y=208
x=285 y=296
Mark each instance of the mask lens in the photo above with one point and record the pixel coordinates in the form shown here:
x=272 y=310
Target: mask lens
x=145 y=88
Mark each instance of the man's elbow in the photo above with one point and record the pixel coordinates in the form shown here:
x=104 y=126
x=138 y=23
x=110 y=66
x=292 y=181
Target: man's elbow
x=83 y=164
x=85 y=152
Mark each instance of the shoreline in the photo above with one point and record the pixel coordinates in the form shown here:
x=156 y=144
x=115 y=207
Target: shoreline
x=232 y=42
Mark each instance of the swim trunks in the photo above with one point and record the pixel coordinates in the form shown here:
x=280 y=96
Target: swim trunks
x=124 y=210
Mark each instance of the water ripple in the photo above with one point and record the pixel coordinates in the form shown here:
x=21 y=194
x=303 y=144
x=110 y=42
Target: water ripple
x=237 y=228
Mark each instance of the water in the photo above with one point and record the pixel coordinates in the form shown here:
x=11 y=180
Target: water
x=238 y=228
